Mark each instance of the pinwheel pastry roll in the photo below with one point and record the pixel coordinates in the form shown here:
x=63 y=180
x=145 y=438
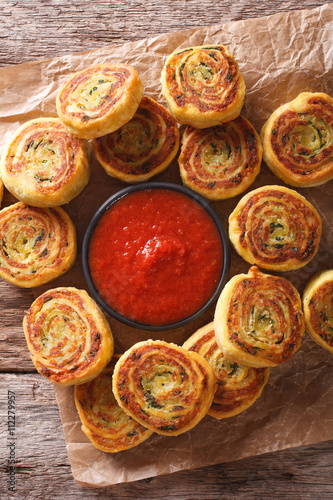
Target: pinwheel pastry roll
x=275 y=228
x=142 y=147
x=222 y=161
x=1 y=191
x=36 y=244
x=238 y=386
x=164 y=387
x=107 y=426
x=203 y=85
x=68 y=336
x=258 y=319
x=318 y=308
x=43 y=165
x=99 y=99
x=298 y=140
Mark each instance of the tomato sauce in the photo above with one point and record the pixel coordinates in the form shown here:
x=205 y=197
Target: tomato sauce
x=156 y=256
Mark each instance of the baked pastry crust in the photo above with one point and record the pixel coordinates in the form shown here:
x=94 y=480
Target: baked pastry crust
x=1 y=191
x=258 y=319
x=143 y=147
x=164 y=387
x=43 y=165
x=68 y=336
x=275 y=228
x=107 y=426
x=203 y=85
x=298 y=140
x=99 y=99
x=318 y=308
x=36 y=244
x=222 y=161
x=238 y=386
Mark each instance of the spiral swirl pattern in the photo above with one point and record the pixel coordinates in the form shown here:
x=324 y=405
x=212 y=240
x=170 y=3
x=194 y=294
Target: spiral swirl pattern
x=43 y=165
x=107 y=426
x=275 y=228
x=238 y=386
x=318 y=308
x=1 y=191
x=164 y=387
x=69 y=339
x=298 y=140
x=36 y=244
x=203 y=85
x=142 y=147
x=220 y=162
x=99 y=99
x=258 y=319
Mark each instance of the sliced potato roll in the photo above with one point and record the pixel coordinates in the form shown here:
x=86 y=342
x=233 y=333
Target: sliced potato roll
x=220 y=162
x=164 y=387
x=99 y=99
x=275 y=228
x=258 y=319
x=36 y=244
x=318 y=308
x=298 y=140
x=142 y=147
x=107 y=426
x=238 y=386
x=203 y=85
x=43 y=165
x=68 y=336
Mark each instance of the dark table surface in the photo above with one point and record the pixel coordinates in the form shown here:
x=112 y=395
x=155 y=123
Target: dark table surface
x=42 y=29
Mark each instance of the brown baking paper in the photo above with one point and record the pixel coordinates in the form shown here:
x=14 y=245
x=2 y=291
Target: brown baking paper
x=279 y=56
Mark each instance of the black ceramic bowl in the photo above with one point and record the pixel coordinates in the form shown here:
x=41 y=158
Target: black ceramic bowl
x=112 y=200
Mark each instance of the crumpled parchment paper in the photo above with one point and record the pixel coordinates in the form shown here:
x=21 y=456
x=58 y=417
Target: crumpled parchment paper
x=279 y=56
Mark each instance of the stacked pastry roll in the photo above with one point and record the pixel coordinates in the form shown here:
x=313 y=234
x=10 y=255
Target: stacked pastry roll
x=99 y=99
x=154 y=387
x=104 y=422
x=220 y=150
x=134 y=137
x=163 y=386
x=1 y=191
x=238 y=386
x=45 y=164
x=141 y=148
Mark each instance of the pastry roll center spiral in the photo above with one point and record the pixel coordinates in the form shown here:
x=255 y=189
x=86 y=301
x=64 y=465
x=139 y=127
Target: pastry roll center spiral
x=135 y=137
x=163 y=380
x=56 y=325
x=92 y=94
x=217 y=154
x=224 y=366
x=310 y=137
x=23 y=240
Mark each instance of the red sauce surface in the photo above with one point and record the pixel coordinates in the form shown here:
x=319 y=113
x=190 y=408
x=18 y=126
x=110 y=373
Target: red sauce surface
x=156 y=256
